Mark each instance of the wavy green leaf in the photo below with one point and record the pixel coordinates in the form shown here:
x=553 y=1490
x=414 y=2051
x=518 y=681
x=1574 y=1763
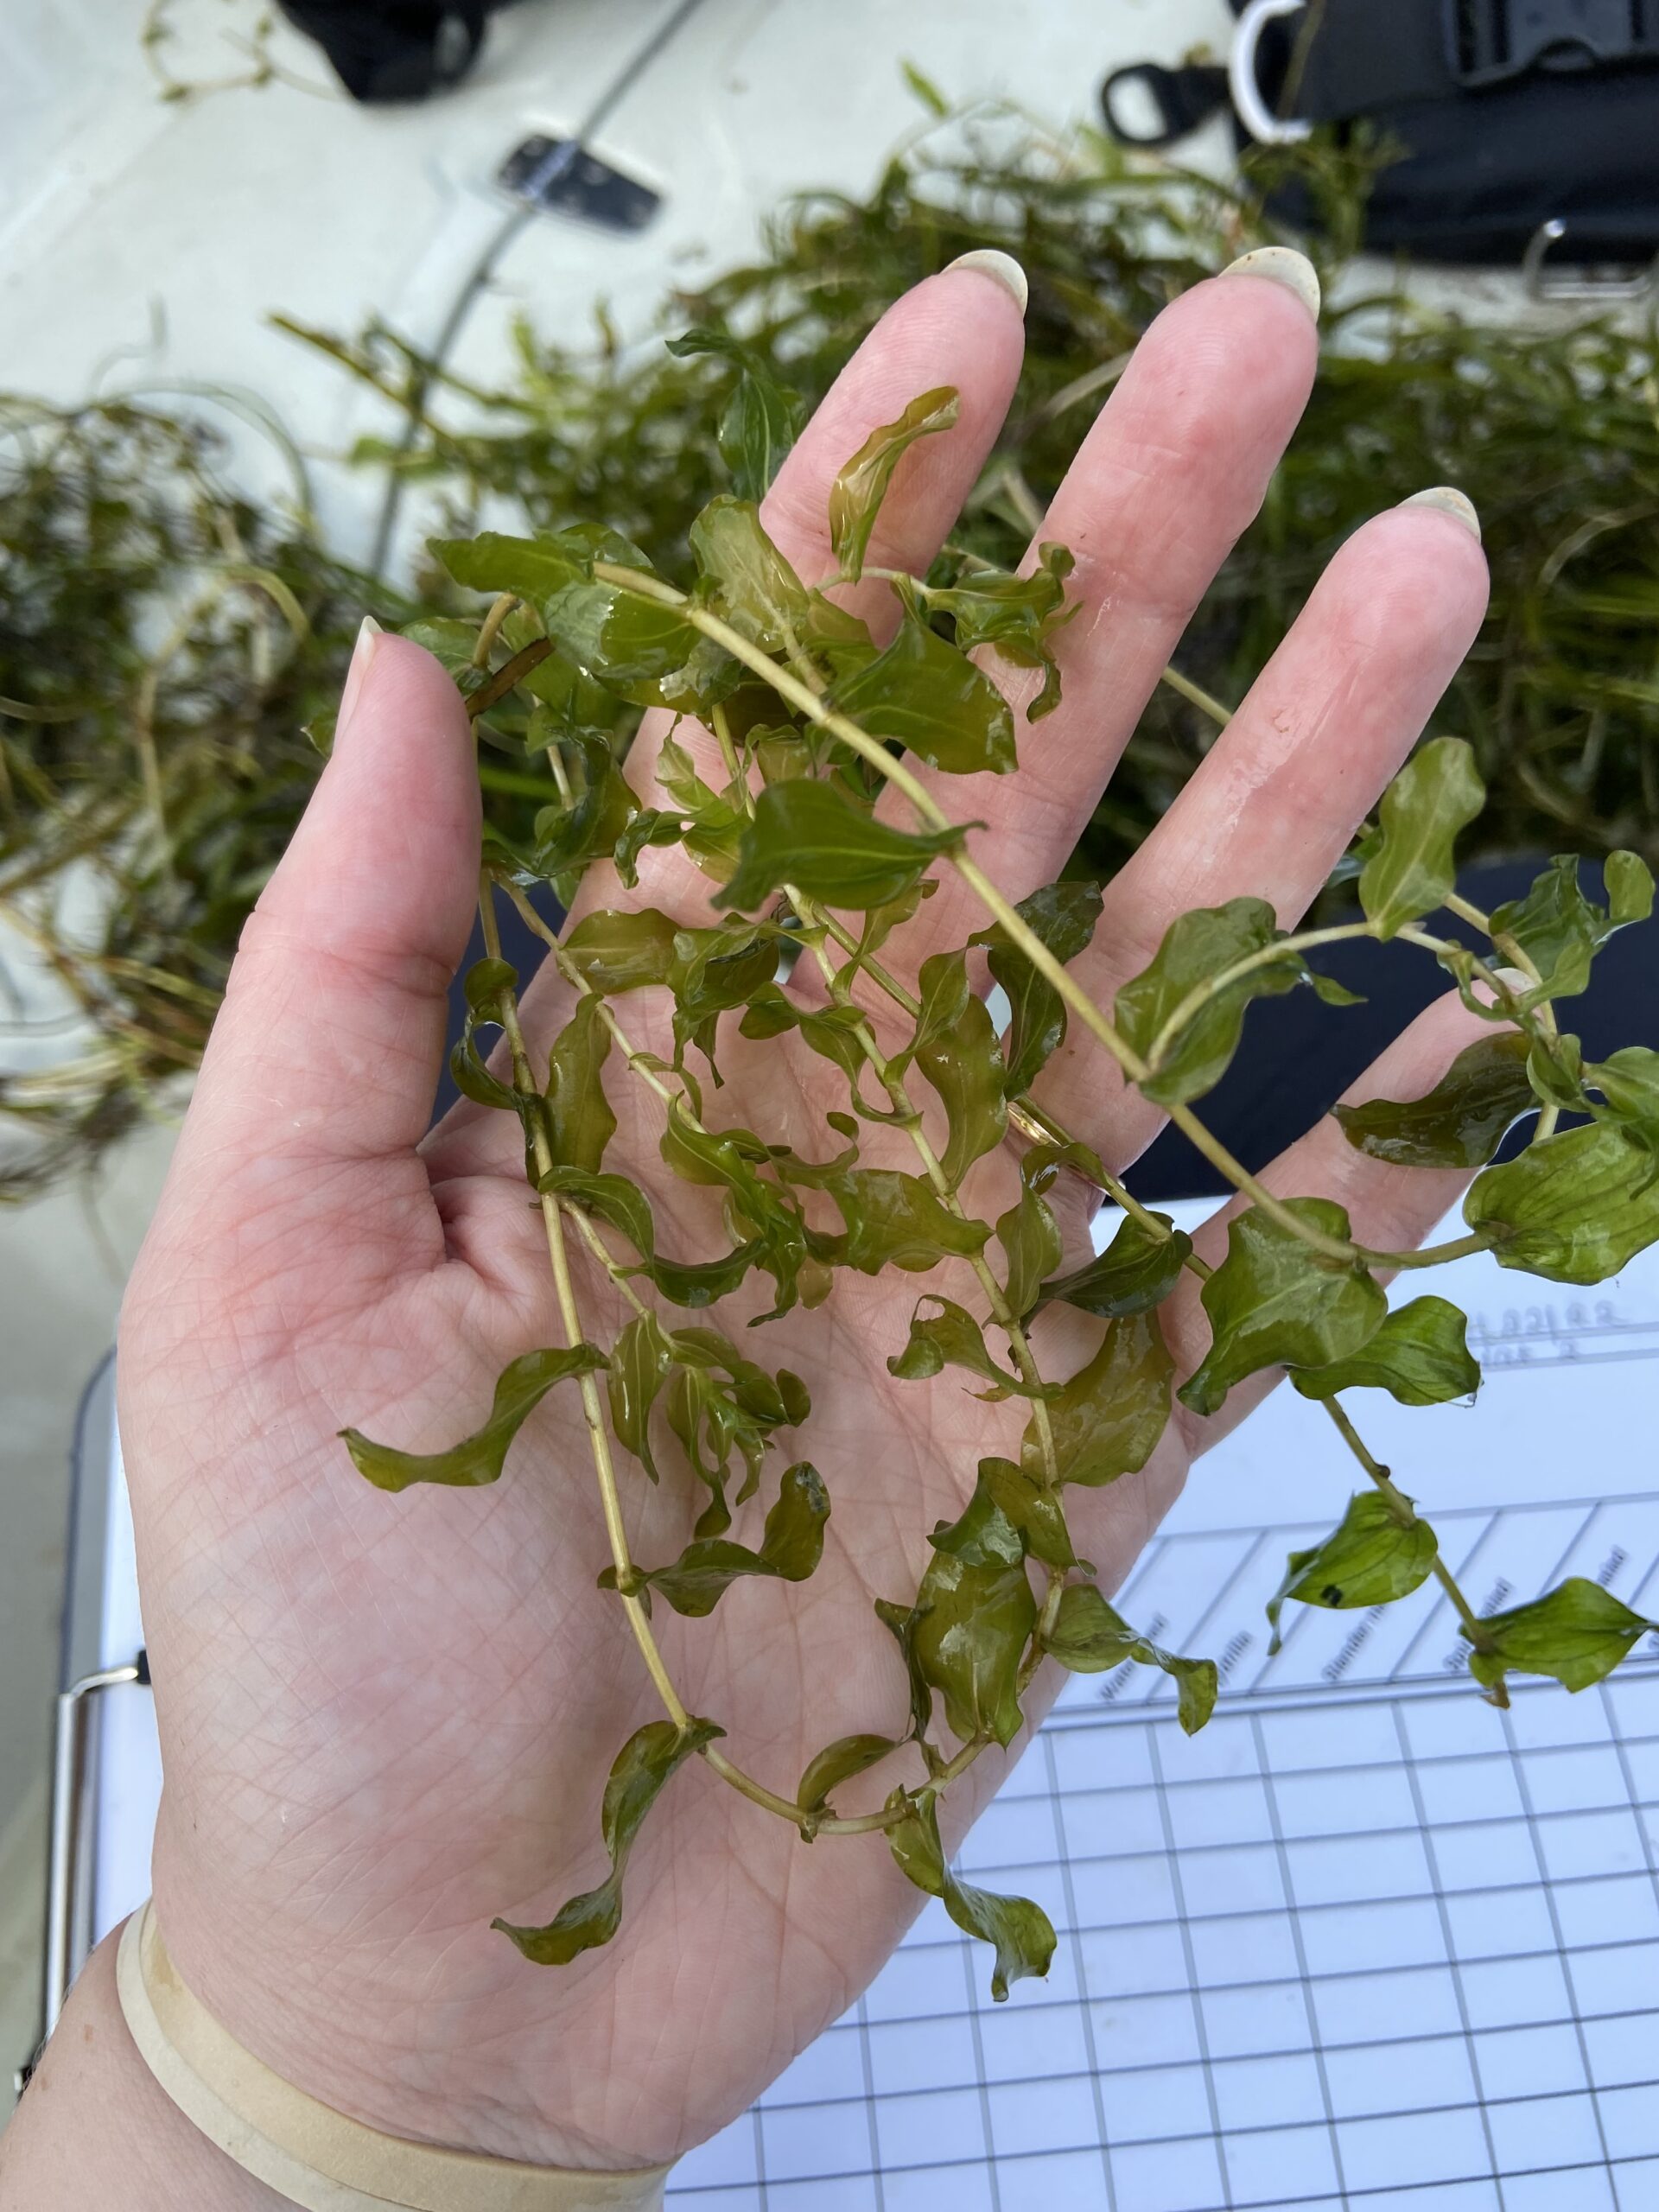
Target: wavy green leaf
x=1062 y=916
x=744 y=578
x=579 y=1119
x=1109 y=1416
x=1032 y=1245
x=1088 y=1637
x=761 y=420
x=644 y=1762
x=1578 y=1633
x=1183 y=1025
x=1373 y=1556
x=642 y=1358
x=1575 y=1207
x=962 y=1060
x=948 y=1336
x=968 y=1630
x=478 y=1458
x=1460 y=1123
x=1410 y=868
x=1018 y=1930
x=1019 y=614
x=934 y=701
x=683 y=1282
x=856 y=495
x=791 y=1549
x=1560 y=931
x=1272 y=1302
x=618 y=951
x=1137 y=1271
x=808 y=834
x=896 y=1221
x=1419 y=1355
x=838 y=1762
x=1010 y=1517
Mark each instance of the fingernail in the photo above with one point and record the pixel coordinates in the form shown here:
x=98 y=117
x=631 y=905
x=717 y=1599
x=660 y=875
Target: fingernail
x=369 y=632
x=1512 y=979
x=1448 y=500
x=1002 y=268
x=1282 y=264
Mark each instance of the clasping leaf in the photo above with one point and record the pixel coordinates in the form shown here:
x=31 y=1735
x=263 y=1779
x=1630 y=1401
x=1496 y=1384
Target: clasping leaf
x=790 y=1550
x=1274 y=1301
x=1410 y=868
x=1020 y=1931
x=1088 y=1637
x=1578 y=1633
x=642 y=1766
x=856 y=495
x=520 y=1388
x=807 y=834
x=1376 y=1553
x=1460 y=1123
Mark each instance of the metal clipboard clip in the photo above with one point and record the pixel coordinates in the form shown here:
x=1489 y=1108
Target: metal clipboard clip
x=66 y=1869
x=1616 y=286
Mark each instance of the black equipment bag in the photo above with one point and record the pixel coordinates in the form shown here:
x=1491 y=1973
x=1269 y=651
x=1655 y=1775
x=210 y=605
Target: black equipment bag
x=1529 y=127
x=388 y=50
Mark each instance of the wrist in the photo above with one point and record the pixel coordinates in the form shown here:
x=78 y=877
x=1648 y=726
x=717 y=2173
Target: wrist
x=95 y=2128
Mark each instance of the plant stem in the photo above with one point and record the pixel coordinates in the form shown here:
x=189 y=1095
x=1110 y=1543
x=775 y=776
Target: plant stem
x=570 y=1320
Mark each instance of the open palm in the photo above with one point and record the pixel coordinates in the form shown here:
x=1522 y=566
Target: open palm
x=386 y=1719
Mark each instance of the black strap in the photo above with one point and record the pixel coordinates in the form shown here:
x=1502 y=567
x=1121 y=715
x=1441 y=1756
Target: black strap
x=1182 y=99
x=1362 y=57
x=1490 y=40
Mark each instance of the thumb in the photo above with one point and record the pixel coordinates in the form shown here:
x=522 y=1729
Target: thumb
x=328 y=1046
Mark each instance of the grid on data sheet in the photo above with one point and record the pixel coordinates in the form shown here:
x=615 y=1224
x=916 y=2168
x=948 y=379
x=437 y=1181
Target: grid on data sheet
x=1377 y=1947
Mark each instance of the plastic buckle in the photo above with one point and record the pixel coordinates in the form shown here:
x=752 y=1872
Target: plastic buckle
x=1490 y=41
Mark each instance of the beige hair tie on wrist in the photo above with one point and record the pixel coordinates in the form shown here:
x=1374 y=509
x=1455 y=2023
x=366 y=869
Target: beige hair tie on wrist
x=312 y=2155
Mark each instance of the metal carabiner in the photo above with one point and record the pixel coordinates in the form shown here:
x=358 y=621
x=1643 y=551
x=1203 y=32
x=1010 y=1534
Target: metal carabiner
x=1266 y=128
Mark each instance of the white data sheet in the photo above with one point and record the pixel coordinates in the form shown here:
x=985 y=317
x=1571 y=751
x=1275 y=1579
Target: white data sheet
x=1363 y=1943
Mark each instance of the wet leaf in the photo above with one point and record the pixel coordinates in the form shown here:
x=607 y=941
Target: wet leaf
x=1627 y=1081
x=1185 y=1027
x=790 y=1550
x=1460 y=1123
x=613 y=953
x=1010 y=1517
x=761 y=420
x=1578 y=1633
x=808 y=834
x=962 y=1060
x=1019 y=1931
x=1137 y=1271
x=683 y=1282
x=856 y=495
x=579 y=1119
x=642 y=1359
x=1018 y=615
x=1272 y=1302
x=744 y=578
x=1372 y=1557
x=838 y=1762
x=1062 y=916
x=943 y=1334
x=478 y=1459
x=1108 y=1417
x=1436 y=794
x=1560 y=931
x=644 y=1762
x=1419 y=1356
x=970 y=1630
x=900 y=1622
x=1575 y=1207
x=1032 y=1245
x=896 y=1221
x=1088 y=1637
x=934 y=701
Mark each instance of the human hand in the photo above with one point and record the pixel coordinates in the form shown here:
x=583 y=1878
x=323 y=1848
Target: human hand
x=385 y=1721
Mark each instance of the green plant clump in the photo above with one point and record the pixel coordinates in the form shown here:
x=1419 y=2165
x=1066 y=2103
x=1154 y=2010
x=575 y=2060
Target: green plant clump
x=816 y=890
x=161 y=642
